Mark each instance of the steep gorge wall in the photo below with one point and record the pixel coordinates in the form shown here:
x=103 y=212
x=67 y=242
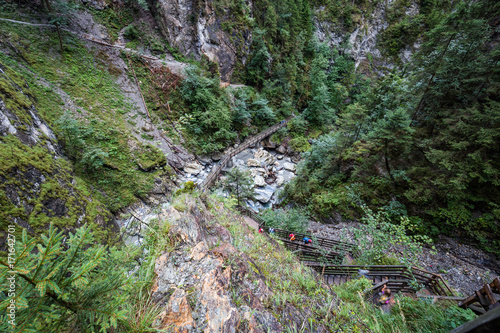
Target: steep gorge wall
x=196 y=28
x=37 y=182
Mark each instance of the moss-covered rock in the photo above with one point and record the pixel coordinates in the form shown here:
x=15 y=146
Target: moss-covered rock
x=37 y=182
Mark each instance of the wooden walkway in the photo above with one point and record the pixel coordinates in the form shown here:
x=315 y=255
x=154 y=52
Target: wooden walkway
x=485 y=299
x=212 y=176
x=325 y=255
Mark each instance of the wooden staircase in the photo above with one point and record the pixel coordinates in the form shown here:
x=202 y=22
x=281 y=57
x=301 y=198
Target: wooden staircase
x=485 y=299
x=325 y=255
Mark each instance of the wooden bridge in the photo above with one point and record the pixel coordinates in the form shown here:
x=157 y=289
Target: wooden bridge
x=212 y=176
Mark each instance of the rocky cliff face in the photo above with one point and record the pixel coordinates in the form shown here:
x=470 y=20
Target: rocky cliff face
x=363 y=40
x=196 y=29
x=216 y=274
x=37 y=184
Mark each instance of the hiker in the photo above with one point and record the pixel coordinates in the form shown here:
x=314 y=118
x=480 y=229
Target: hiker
x=292 y=237
x=261 y=230
x=385 y=296
x=271 y=230
x=307 y=240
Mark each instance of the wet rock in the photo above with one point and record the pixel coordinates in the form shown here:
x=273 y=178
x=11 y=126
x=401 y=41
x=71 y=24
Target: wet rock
x=268 y=143
x=253 y=162
x=216 y=157
x=204 y=160
x=264 y=194
x=193 y=168
x=280 y=180
x=281 y=149
x=279 y=157
x=289 y=166
x=259 y=181
x=199 y=251
x=215 y=301
x=264 y=156
x=295 y=158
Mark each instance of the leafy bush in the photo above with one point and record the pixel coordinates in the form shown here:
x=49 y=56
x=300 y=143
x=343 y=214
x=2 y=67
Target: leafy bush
x=293 y=219
x=300 y=144
x=131 y=32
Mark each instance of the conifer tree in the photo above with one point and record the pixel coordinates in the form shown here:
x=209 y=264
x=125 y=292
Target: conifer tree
x=63 y=284
x=240 y=184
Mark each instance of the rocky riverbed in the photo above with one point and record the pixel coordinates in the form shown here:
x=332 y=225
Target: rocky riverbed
x=270 y=168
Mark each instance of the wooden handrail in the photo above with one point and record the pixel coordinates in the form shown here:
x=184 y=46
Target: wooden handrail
x=207 y=182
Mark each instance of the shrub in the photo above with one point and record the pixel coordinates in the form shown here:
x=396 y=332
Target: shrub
x=293 y=219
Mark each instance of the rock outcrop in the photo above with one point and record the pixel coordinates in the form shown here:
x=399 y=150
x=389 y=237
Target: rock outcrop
x=37 y=183
x=196 y=29
x=364 y=37
x=196 y=286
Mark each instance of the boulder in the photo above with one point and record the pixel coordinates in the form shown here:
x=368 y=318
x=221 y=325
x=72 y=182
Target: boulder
x=204 y=160
x=259 y=181
x=253 y=162
x=295 y=158
x=289 y=166
x=281 y=150
x=193 y=168
x=268 y=143
x=264 y=156
x=216 y=157
x=263 y=195
x=279 y=157
x=280 y=180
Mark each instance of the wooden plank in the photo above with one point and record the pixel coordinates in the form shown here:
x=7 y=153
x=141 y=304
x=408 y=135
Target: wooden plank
x=489 y=294
x=482 y=300
x=477 y=309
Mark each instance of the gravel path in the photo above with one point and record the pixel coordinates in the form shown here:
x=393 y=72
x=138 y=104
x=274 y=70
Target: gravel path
x=462 y=266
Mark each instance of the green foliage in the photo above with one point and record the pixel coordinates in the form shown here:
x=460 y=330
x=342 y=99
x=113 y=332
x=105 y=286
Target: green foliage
x=407 y=315
x=209 y=118
x=240 y=184
x=380 y=239
x=300 y=144
x=293 y=219
x=65 y=286
x=131 y=32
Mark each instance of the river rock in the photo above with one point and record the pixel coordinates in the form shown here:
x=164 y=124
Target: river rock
x=295 y=158
x=281 y=150
x=280 y=180
x=252 y=162
x=264 y=194
x=259 y=181
x=193 y=168
x=204 y=160
x=216 y=157
x=289 y=166
x=264 y=156
x=268 y=143
x=279 y=157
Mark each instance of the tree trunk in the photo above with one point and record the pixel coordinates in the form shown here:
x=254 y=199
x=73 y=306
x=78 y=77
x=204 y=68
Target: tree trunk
x=387 y=161
x=59 y=34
